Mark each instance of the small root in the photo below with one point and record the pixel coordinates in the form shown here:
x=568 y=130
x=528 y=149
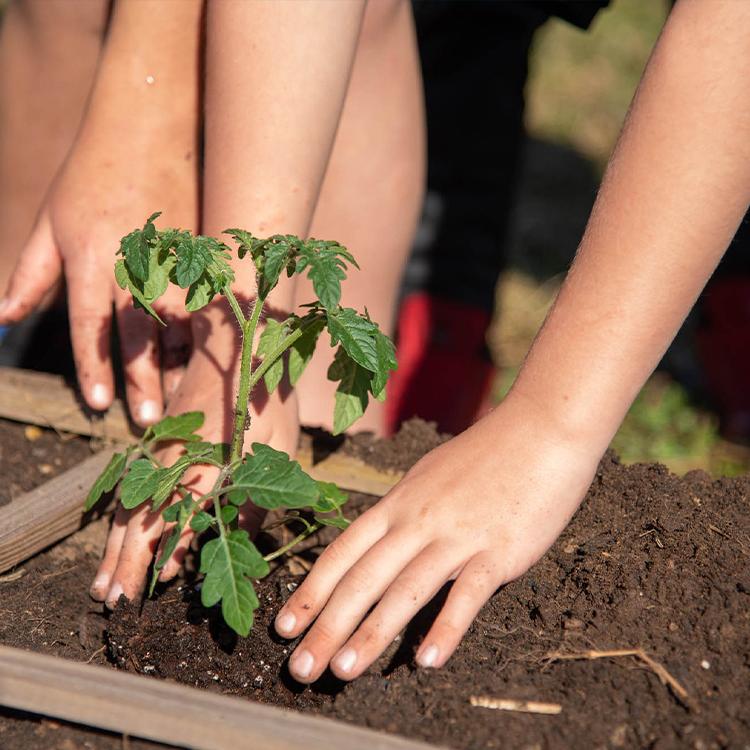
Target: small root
x=658 y=669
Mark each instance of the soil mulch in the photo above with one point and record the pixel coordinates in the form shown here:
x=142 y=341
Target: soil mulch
x=650 y=561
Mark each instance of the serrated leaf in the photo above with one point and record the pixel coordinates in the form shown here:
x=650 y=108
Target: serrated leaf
x=228 y=564
x=121 y=274
x=167 y=479
x=201 y=521
x=351 y=397
x=217 y=453
x=386 y=354
x=107 y=480
x=272 y=480
x=177 y=513
x=192 y=259
x=178 y=427
x=139 y=483
x=326 y=268
x=356 y=334
x=246 y=242
x=272 y=336
x=139 y=297
x=137 y=252
x=302 y=350
x=160 y=267
x=180 y=510
x=331 y=497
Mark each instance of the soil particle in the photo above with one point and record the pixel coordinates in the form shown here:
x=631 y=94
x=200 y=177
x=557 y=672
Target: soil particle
x=35 y=456
x=650 y=561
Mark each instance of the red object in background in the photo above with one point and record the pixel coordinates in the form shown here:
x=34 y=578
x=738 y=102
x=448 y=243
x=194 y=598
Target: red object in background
x=724 y=350
x=444 y=370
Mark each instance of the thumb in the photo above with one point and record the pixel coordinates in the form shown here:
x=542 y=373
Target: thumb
x=38 y=268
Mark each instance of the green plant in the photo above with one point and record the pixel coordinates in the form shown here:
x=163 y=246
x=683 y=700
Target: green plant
x=150 y=260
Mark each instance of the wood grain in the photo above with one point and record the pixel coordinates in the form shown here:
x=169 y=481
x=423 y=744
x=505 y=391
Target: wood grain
x=166 y=712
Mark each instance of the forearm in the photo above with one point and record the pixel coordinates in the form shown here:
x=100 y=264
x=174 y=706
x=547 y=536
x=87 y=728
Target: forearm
x=277 y=75
x=149 y=70
x=672 y=198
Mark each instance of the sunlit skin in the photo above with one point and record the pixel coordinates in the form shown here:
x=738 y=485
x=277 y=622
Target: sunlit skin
x=482 y=508
x=295 y=170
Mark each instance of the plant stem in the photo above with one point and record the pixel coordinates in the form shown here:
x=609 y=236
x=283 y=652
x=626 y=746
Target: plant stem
x=299 y=538
x=273 y=356
x=246 y=368
x=235 y=305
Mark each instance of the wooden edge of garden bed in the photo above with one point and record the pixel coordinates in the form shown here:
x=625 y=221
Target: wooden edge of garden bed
x=170 y=713
x=48 y=401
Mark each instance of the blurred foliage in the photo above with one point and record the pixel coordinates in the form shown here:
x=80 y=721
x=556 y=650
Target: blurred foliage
x=581 y=82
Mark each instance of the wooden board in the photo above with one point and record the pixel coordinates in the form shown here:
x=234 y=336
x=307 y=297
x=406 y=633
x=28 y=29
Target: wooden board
x=166 y=712
x=46 y=400
x=36 y=519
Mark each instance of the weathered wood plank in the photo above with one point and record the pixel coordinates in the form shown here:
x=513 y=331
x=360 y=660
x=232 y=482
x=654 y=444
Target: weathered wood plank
x=46 y=400
x=47 y=514
x=170 y=713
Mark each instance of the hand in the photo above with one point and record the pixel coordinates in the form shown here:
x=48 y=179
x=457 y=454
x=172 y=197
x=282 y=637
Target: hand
x=478 y=510
x=209 y=385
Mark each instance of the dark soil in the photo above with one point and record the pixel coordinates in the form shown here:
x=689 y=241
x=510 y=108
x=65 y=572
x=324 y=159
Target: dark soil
x=651 y=561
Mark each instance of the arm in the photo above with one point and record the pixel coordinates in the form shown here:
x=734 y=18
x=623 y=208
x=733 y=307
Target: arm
x=136 y=149
x=276 y=78
x=481 y=509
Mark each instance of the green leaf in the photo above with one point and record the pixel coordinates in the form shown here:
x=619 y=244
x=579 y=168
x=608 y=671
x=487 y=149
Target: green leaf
x=246 y=242
x=228 y=564
x=160 y=267
x=351 y=398
x=179 y=427
x=272 y=480
x=327 y=262
x=139 y=483
x=167 y=479
x=386 y=354
x=125 y=280
x=357 y=334
x=302 y=349
x=137 y=252
x=107 y=480
x=272 y=336
x=338 y=521
x=121 y=274
x=217 y=453
x=229 y=513
x=201 y=521
x=177 y=513
x=331 y=497
x=200 y=293
x=192 y=259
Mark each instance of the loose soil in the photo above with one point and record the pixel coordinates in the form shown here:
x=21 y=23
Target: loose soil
x=650 y=561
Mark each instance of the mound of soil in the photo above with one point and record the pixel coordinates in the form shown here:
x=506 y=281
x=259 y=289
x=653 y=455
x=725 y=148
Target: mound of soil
x=651 y=561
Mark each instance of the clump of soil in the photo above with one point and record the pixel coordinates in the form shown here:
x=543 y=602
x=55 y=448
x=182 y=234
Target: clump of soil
x=650 y=561
x=415 y=438
x=30 y=456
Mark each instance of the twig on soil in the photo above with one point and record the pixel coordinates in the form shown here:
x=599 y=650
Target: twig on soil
x=509 y=704
x=95 y=654
x=14 y=576
x=658 y=669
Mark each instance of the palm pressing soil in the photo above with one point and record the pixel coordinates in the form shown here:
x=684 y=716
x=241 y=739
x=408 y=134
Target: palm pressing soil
x=650 y=561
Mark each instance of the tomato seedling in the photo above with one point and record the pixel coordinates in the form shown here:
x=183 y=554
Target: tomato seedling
x=149 y=260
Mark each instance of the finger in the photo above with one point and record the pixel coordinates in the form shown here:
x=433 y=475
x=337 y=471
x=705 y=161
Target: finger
x=38 y=269
x=308 y=600
x=90 y=312
x=140 y=362
x=103 y=579
x=175 y=345
x=358 y=590
x=199 y=480
x=476 y=583
x=411 y=591
x=141 y=539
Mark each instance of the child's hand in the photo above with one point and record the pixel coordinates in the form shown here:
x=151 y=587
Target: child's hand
x=209 y=385
x=480 y=509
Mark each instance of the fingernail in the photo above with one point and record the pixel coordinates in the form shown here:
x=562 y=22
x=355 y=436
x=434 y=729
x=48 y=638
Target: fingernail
x=100 y=396
x=302 y=664
x=285 y=623
x=99 y=585
x=114 y=595
x=149 y=411
x=428 y=657
x=346 y=660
